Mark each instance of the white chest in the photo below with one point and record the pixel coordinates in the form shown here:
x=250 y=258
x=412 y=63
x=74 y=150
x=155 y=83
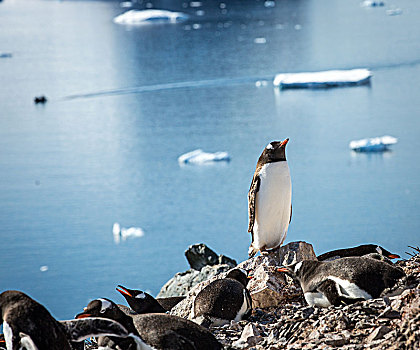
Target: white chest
x=273 y=205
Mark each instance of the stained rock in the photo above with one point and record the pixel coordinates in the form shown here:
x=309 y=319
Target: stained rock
x=378 y=333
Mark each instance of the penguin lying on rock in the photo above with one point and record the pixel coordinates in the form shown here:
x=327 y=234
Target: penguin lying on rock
x=143 y=303
x=223 y=300
x=28 y=325
x=343 y=281
x=154 y=331
x=360 y=250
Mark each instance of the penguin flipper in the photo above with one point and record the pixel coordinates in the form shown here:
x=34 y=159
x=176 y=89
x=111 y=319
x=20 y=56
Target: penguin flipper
x=80 y=329
x=252 y=195
x=330 y=290
x=26 y=342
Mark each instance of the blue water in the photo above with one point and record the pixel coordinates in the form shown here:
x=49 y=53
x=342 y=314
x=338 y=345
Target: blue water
x=125 y=102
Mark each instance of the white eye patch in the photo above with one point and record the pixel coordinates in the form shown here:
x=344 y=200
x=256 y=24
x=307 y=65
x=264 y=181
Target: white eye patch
x=298 y=266
x=105 y=305
x=379 y=250
x=141 y=296
x=269 y=146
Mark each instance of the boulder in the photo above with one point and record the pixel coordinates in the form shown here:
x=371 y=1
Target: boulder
x=270 y=288
x=199 y=255
x=182 y=282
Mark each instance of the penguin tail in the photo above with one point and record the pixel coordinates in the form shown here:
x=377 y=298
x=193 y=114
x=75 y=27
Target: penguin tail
x=252 y=251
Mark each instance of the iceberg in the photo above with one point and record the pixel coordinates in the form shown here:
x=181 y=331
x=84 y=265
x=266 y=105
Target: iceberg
x=323 y=79
x=123 y=233
x=374 y=144
x=198 y=156
x=135 y=17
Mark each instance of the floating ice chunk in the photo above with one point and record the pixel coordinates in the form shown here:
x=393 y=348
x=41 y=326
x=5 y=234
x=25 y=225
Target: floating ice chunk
x=135 y=17
x=394 y=12
x=198 y=156
x=124 y=233
x=260 y=40
x=323 y=79
x=43 y=268
x=269 y=3
x=126 y=4
x=196 y=4
x=375 y=144
x=371 y=3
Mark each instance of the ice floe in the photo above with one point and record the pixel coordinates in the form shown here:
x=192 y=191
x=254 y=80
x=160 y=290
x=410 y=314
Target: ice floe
x=135 y=17
x=126 y=4
x=394 y=12
x=374 y=144
x=198 y=156
x=121 y=233
x=323 y=79
x=371 y=3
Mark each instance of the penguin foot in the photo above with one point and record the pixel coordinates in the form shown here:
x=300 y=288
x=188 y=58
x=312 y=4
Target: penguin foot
x=252 y=251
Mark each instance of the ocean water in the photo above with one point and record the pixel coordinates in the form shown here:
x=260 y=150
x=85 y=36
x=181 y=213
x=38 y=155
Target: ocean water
x=125 y=101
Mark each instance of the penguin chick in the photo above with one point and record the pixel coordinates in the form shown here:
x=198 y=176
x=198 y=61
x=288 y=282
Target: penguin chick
x=343 y=281
x=223 y=300
x=270 y=199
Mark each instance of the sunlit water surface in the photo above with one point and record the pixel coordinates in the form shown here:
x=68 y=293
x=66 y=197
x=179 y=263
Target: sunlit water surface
x=104 y=148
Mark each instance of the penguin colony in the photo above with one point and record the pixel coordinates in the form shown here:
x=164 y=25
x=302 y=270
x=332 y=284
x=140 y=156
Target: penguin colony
x=339 y=277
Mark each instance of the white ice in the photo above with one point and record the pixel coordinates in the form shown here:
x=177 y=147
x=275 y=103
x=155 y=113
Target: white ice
x=323 y=79
x=200 y=157
x=370 y=3
x=150 y=16
x=374 y=144
x=124 y=233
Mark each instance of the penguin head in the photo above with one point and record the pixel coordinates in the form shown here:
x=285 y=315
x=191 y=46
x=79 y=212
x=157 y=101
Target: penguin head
x=275 y=151
x=101 y=308
x=386 y=253
x=298 y=270
x=138 y=300
x=239 y=275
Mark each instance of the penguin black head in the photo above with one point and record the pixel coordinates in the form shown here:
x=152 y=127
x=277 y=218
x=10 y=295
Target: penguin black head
x=386 y=253
x=275 y=151
x=139 y=301
x=298 y=270
x=239 y=275
x=101 y=308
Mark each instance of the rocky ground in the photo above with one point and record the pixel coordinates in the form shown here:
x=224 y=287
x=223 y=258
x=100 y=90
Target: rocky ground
x=281 y=318
x=391 y=322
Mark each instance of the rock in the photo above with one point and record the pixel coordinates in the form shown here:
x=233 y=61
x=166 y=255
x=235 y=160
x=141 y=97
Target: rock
x=199 y=255
x=378 y=333
x=250 y=337
x=182 y=282
x=389 y=313
x=270 y=288
x=336 y=340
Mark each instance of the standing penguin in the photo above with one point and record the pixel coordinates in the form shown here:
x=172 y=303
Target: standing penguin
x=344 y=280
x=270 y=199
x=223 y=300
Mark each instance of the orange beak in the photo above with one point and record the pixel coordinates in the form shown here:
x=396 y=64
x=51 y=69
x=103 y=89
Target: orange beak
x=284 y=143
x=250 y=277
x=122 y=290
x=393 y=256
x=282 y=269
x=82 y=315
